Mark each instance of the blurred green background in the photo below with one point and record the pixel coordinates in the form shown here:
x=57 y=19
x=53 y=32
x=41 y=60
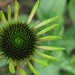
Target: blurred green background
x=65 y=10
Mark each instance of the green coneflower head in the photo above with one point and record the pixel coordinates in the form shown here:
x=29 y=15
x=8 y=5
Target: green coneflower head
x=19 y=41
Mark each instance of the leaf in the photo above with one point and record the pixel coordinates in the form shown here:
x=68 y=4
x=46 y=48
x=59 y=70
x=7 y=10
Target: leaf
x=67 y=41
x=3 y=62
x=48 y=8
x=52 y=69
x=70 y=31
x=71 y=9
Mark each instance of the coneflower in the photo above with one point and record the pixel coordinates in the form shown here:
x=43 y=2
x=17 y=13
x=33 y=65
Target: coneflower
x=19 y=41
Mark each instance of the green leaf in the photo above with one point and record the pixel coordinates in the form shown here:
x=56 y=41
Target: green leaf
x=52 y=69
x=48 y=8
x=70 y=31
x=72 y=59
x=71 y=9
x=3 y=62
x=66 y=65
x=68 y=42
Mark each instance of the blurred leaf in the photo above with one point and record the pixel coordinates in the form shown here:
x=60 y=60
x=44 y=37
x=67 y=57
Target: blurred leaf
x=60 y=20
x=71 y=31
x=68 y=73
x=67 y=41
x=47 y=8
x=66 y=65
x=24 y=18
x=72 y=59
x=50 y=8
x=3 y=62
x=50 y=70
x=71 y=9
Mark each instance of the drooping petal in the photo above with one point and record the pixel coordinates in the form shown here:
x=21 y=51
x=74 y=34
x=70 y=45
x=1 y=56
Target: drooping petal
x=51 y=48
x=33 y=12
x=49 y=38
x=47 y=29
x=11 y=66
x=16 y=11
x=38 y=61
x=47 y=56
x=22 y=72
x=3 y=18
x=31 y=67
x=9 y=14
x=45 y=22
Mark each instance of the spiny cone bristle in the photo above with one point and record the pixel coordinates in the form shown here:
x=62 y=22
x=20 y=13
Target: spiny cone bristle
x=18 y=41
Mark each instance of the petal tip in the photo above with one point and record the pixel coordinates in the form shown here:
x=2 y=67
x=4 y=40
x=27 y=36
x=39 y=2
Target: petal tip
x=11 y=66
x=60 y=37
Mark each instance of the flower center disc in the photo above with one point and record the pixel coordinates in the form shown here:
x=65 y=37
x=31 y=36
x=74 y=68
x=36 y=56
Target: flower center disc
x=18 y=41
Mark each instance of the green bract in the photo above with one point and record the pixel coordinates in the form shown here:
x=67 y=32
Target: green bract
x=19 y=40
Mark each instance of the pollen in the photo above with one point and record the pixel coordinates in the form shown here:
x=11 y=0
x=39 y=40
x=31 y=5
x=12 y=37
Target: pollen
x=18 y=41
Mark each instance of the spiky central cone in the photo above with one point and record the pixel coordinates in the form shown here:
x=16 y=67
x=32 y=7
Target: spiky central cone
x=18 y=41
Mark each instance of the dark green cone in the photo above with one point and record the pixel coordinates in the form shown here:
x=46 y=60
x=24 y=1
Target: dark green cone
x=18 y=41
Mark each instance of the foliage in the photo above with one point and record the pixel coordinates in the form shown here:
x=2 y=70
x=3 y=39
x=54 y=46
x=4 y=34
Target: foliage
x=66 y=13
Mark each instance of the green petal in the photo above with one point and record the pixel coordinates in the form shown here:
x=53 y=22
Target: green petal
x=49 y=38
x=33 y=11
x=50 y=48
x=16 y=10
x=11 y=66
x=47 y=29
x=38 y=61
x=9 y=14
x=47 y=56
x=2 y=16
x=22 y=72
x=45 y=22
x=31 y=67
